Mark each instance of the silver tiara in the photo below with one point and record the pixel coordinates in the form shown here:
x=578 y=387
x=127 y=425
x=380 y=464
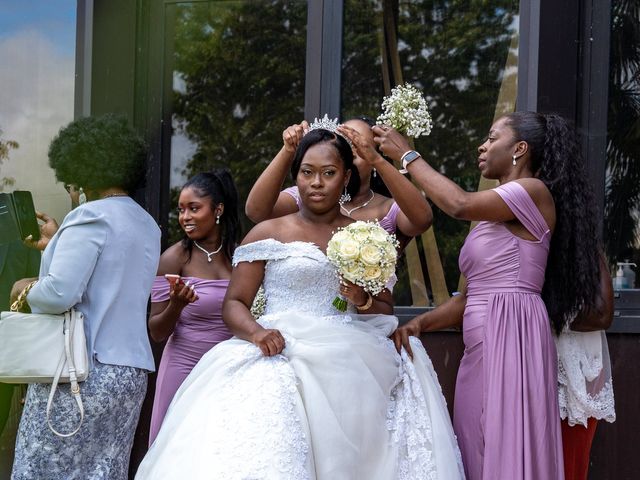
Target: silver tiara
x=327 y=123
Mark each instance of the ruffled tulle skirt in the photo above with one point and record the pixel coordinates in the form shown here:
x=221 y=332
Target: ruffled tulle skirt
x=338 y=403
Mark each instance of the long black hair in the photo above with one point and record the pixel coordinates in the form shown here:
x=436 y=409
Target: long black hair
x=341 y=145
x=572 y=275
x=219 y=186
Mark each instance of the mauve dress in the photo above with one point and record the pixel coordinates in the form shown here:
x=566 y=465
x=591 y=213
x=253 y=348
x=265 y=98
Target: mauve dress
x=199 y=328
x=506 y=414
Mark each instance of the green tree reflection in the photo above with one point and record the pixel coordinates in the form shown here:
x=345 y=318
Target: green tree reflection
x=622 y=189
x=243 y=68
x=455 y=52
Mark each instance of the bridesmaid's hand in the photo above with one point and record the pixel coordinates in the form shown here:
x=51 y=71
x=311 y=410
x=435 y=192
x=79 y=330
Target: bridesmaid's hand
x=182 y=294
x=391 y=142
x=364 y=148
x=293 y=134
x=402 y=334
x=269 y=341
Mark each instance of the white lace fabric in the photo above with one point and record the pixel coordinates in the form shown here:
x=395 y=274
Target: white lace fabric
x=339 y=403
x=585 y=386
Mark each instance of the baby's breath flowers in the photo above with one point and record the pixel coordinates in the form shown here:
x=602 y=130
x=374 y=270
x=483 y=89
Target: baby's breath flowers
x=259 y=303
x=363 y=253
x=406 y=111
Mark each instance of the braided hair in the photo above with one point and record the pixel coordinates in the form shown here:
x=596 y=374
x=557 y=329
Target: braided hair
x=572 y=274
x=218 y=185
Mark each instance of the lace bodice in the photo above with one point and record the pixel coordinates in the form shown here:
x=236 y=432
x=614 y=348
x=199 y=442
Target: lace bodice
x=298 y=276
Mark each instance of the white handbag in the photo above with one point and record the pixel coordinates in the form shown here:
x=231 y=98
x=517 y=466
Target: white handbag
x=43 y=348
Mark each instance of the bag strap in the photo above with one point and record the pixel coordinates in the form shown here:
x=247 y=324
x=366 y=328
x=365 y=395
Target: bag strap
x=68 y=327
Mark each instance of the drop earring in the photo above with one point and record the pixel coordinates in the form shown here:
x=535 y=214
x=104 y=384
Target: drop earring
x=218 y=219
x=345 y=197
x=375 y=173
x=82 y=197
x=514 y=159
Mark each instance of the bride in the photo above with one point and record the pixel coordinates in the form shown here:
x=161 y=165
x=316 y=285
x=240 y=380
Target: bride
x=306 y=392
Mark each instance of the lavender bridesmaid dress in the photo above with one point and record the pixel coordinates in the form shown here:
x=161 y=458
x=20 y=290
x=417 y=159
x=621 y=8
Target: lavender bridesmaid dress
x=198 y=330
x=506 y=413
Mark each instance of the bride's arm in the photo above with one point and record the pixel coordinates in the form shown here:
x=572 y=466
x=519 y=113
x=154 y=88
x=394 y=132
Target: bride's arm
x=245 y=281
x=365 y=303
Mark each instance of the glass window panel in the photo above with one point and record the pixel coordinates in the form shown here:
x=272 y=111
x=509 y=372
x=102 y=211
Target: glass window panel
x=37 y=59
x=238 y=72
x=463 y=56
x=37 y=54
x=622 y=183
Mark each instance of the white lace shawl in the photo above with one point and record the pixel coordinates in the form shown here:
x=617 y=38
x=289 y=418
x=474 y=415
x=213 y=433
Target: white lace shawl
x=585 y=387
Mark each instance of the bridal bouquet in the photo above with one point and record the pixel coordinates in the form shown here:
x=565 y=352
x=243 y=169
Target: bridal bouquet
x=406 y=111
x=365 y=254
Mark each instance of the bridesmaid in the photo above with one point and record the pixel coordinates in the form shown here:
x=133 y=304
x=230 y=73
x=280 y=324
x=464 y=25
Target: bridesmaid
x=506 y=403
x=189 y=311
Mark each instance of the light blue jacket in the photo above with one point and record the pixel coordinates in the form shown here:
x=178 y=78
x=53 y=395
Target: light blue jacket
x=103 y=261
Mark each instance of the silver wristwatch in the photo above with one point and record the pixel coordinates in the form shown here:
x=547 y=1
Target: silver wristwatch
x=407 y=158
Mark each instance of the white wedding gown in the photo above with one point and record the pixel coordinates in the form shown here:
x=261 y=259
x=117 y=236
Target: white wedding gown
x=339 y=403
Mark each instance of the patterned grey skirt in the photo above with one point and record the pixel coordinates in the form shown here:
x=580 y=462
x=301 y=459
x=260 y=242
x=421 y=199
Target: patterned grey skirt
x=112 y=396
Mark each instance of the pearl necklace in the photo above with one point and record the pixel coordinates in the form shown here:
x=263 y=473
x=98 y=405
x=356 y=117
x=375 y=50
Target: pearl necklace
x=208 y=254
x=349 y=212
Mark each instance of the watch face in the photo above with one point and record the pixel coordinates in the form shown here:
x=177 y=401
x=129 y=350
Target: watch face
x=410 y=157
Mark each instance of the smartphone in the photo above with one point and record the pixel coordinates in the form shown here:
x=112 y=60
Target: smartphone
x=26 y=214
x=172 y=278
x=17 y=217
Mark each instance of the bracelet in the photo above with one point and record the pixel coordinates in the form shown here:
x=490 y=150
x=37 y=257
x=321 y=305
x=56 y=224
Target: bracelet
x=21 y=305
x=367 y=304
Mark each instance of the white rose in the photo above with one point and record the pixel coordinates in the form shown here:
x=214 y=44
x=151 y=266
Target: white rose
x=372 y=273
x=379 y=235
x=340 y=236
x=351 y=272
x=349 y=249
x=390 y=253
x=360 y=235
x=370 y=255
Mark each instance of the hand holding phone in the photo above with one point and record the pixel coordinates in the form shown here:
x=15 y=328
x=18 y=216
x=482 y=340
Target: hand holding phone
x=173 y=279
x=186 y=293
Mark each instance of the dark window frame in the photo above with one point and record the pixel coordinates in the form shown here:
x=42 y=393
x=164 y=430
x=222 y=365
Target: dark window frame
x=563 y=67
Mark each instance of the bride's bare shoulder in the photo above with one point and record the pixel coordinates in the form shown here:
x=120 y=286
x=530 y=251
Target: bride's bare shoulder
x=274 y=228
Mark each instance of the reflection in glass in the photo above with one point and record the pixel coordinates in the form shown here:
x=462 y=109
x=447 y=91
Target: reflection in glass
x=238 y=81
x=37 y=54
x=622 y=185
x=463 y=56
x=37 y=58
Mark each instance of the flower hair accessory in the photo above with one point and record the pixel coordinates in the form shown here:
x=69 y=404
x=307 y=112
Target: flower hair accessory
x=327 y=123
x=406 y=111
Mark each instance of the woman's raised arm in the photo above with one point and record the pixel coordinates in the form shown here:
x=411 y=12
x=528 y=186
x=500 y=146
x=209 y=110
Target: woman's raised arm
x=265 y=200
